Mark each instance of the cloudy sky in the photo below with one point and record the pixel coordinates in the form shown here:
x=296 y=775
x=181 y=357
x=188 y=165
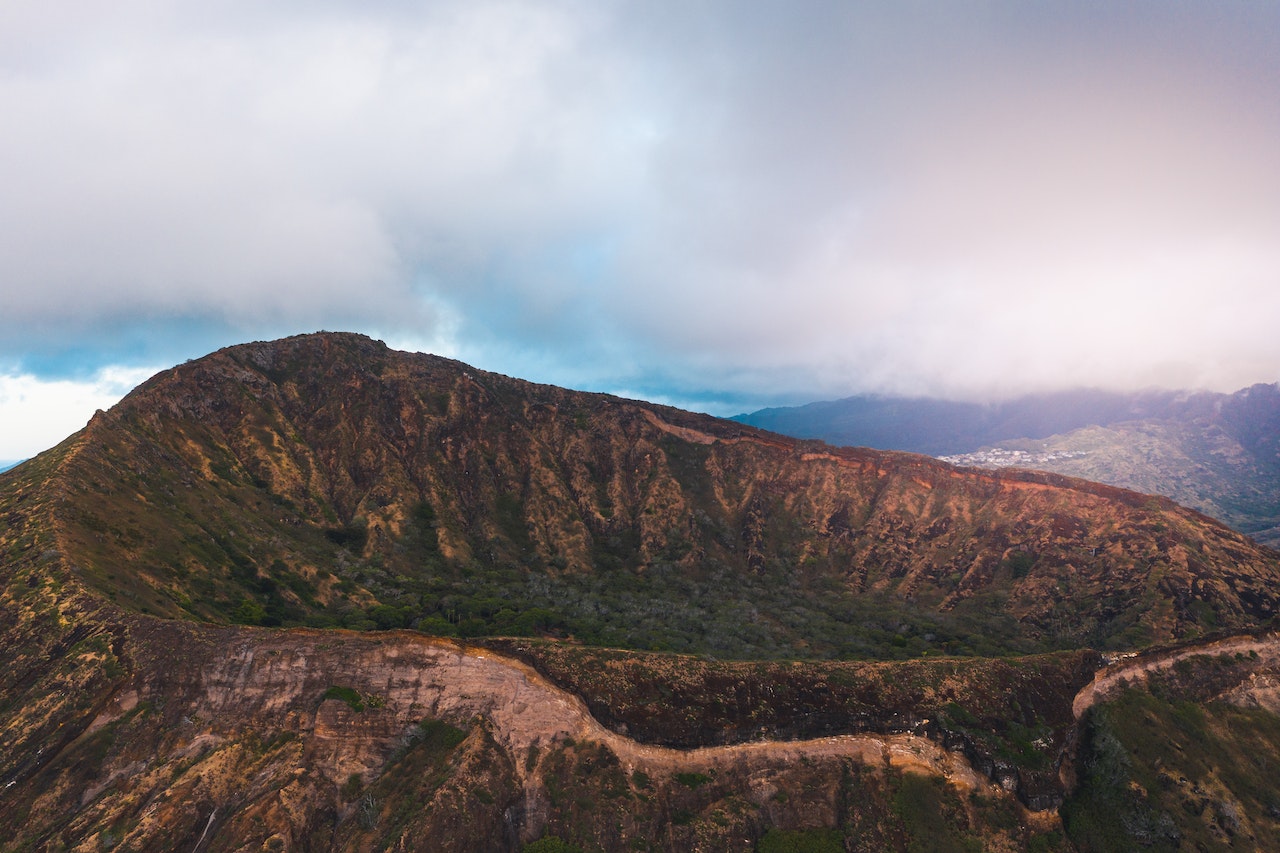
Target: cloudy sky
x=716 y=203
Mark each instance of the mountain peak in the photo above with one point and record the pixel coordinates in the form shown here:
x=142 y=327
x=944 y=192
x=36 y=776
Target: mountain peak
x=327 y=479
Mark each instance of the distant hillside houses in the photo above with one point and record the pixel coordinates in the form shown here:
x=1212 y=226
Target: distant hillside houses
x=999 y=457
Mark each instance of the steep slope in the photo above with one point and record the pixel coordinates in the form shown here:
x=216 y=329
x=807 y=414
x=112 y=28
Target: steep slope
x=146 y=734
x=1222 y=459
x=256 y=739
x=132 y=732
x=1217 y=453
x=328 y=480
x=1177 y=751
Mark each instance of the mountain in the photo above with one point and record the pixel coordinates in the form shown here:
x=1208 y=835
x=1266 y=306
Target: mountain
x=1218 y=453
x=1222 y=457
x=331 y=481
x=191 y=590
x=943 y=427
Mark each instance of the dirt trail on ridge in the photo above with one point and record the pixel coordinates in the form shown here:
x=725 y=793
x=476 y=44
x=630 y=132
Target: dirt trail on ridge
x=1136 y=668
x=406 y=677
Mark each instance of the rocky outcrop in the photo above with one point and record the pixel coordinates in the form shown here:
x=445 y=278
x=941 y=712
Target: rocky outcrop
x=241 y=736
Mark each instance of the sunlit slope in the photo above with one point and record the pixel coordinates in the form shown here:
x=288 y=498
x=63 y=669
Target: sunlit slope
x=328 y=480
x=1218 y=453
x=1225 y=463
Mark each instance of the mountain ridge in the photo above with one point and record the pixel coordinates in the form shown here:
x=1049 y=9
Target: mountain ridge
x=1218 y=453
x=333 y=451
x=306 y=487
x=939 y=426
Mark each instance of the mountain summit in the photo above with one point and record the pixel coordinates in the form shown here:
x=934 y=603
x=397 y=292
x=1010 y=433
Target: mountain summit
x=163 y=574
x=328 y=480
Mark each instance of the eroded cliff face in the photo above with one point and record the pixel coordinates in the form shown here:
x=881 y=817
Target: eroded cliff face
x=235 y=738
x=310 y=478
x=159 y=735
x=132 y=732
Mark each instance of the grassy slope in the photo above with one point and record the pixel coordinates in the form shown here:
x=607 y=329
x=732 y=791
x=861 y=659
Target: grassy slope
x=1172 y=768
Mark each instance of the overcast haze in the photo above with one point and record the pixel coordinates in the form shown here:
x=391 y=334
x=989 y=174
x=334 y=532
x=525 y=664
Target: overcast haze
x=722 y=205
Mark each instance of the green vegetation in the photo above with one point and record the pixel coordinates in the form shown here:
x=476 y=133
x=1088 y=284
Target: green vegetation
x=1019 y=563
x=927 y=809
x=345 y=694
x=438 y=736
x=550 y=844
x=693 y=780
x=668 y=607
x=352 y=536
x=352 y=787
x=422 y=778
x=801 y=841
x=587 y=788
x=712 y=607
x=1165 y=773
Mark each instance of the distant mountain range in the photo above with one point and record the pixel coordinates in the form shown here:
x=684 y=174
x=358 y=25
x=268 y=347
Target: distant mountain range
x=1218 y=453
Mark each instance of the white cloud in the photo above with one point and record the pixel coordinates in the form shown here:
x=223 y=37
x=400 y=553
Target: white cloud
x=37 y=414
x=713 y=196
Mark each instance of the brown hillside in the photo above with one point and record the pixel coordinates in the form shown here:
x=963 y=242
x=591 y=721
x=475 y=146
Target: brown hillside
x=328 y=481
x=320 y=478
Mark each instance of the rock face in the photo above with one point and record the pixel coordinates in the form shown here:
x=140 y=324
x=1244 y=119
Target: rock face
x=328 y=475
x=312 y=740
